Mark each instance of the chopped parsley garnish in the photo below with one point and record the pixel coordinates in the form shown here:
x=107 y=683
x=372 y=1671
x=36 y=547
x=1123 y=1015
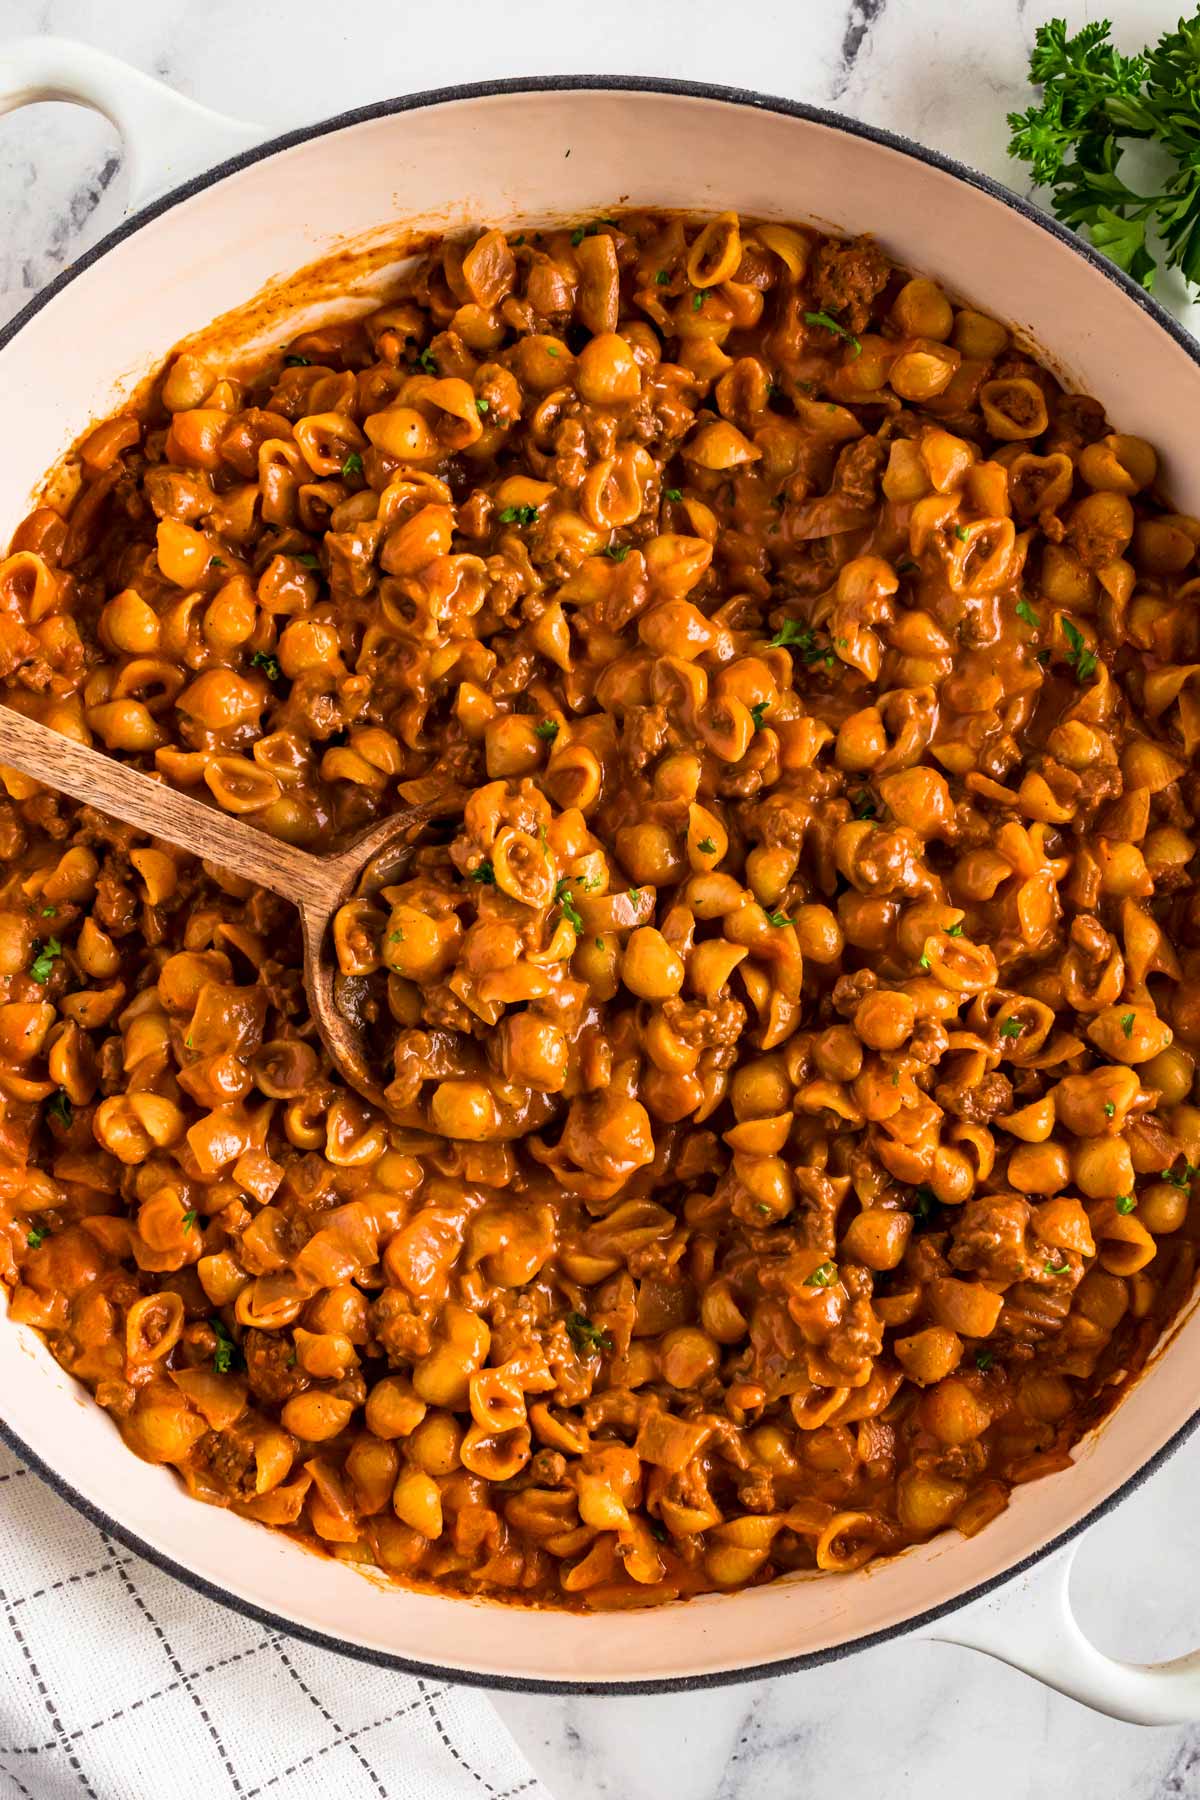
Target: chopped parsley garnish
x=49 y=912
x=296 y=362
x=587 y=1338
x=395 y=937
x=1011 y=1028
x=792 y=635
x=823 y=318
x=43 y=962
x=1026 y=612
x=697 y=301
x=518 y=515
x=1081 y=659
x=864 y=805
x=662 y=278
x=308 y=560
x=1126 y=1203
x=227 y=1355
x=481 y=407
x=1127 y=1024
x=352 y=466
x=216 y=562
x=673 y=493
x=1051 y=1268
x=428 y=361
x=189 y=1219
x=59 y=1108
x=823 y=1276
x=518 y=241
x=924 y=1201
x=954 y=930
x=635 y=894
x=778 y=918
x=485 y=874
x=757 y=713
x=579 y=233
x=984 y=1359
x=1109 y=1109
x=924 y=960
x=706 y=847
x=618 y=552
x=546 y=728
x=262 y=659
x=572 y=914
x=1183 y=1178
x=960 y=532
x=36 y=1236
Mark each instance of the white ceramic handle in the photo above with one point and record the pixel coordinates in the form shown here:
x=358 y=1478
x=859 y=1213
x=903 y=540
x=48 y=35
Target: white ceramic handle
x=1029 y=1624
x=167 y=137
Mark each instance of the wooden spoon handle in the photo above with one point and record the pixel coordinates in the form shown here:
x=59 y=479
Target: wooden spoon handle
x=140 y=800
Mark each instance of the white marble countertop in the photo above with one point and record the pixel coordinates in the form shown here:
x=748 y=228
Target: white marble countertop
x=908 y=1720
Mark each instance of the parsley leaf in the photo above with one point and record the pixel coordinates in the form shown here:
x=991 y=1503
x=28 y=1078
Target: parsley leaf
x=1127 y=1024
x=296 y=362
x=1082 y=660
x=1095 y=101
x=673 y=493
x=662 y=278
x=618 y=552
x=308 y=560
x=262 y=659
x=1126 y=1203
x=228 y=1353
x=984 y=1359
x=830 y=324
x=562 y=893
x=352 y=466
x=779 y=918
x=518 y=515
x=1026 y=612
x=482 y=408
x=587 y=1338
x=189 y=1219
x=547 y=729
x=757 y=713
x=1109 y=1109
x=792 y=634
x=960 y=532
x=706 y=847
x=697 y=301
x=43 y=961
x=822 y=1277
x=1051 y=1268
x=1011 y=1028
x=36 y=1237
x=1181 y=1178
x=59 y=1109
x=954 y=930
x=428 y=361
x=485 y=874
x=924 y=1201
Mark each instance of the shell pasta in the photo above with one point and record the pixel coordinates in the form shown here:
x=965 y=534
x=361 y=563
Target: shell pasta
x=790 y=1012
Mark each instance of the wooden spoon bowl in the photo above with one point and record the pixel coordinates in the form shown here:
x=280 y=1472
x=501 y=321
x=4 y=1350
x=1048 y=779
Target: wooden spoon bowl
x=316 y=885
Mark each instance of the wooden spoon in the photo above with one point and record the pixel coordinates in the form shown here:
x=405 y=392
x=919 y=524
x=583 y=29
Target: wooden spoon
x=317 y=885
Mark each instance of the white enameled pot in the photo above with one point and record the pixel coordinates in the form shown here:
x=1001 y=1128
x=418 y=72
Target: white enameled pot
x=527 y=152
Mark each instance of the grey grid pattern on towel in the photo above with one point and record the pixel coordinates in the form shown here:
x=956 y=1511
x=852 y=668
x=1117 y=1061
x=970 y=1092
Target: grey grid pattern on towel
x=118 y=1682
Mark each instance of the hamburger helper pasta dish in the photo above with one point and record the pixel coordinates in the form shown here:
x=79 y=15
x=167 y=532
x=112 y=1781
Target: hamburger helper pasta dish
x=790 y=1011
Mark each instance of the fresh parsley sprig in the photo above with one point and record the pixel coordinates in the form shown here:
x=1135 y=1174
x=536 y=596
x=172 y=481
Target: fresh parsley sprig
x=1095 y=101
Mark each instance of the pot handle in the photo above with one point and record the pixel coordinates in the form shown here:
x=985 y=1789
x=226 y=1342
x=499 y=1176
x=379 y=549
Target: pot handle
x=167 y=137
x=1029 y=1624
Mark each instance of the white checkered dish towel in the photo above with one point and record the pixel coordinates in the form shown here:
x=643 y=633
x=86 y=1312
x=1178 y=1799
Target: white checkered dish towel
x=118 y=1682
